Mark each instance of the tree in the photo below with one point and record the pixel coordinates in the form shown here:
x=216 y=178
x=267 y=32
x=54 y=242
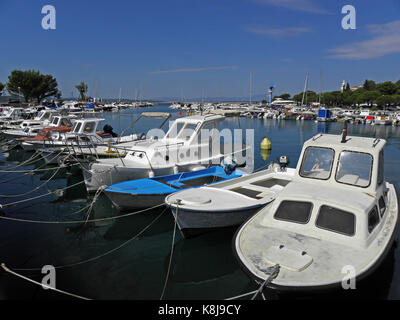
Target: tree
x=386 y=88
x=32 y=85
x=369 y=85
x=384 y=101
x=347 y=87
x=82 y=88
x=285 y=96
x=1 y=88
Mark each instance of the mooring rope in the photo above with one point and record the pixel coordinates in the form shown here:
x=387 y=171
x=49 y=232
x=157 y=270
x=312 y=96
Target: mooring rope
x=272 y=272
x=103 y=254
x=26 y=162
x=37 y=197
x=97 y=194
x=172 y=252
x=81 y=221
x=34 y=189
x=41 y=284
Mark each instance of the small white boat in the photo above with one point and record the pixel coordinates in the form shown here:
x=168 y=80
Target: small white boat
x=337 y=213
x=190 y=142
x=227 y=203
x=383 y=120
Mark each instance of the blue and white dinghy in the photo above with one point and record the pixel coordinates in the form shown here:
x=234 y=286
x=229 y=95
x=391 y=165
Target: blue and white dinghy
x=149 y=192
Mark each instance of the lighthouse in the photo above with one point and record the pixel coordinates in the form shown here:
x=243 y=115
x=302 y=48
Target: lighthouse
x=343 y=86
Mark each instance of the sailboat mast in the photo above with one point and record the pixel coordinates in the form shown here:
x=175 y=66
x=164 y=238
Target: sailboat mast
x=251 y=86
x=305 y=90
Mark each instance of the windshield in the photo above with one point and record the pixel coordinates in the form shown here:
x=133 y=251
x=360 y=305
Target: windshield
x=317 y=163
x=187 y=132
x=175 y=129
x=354 y=168
x=77 y=126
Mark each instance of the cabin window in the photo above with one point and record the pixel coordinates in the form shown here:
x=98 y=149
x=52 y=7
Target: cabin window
x=187 y=132
x=336 y=220
x=373 y=219
x=77 y=127
x=175 y=130
x=55 y=120
x=382 y=205
x=317 y=163
x=381 y=165
x=294 y=211
x=354 y=168
x=205 y=133
x=65 y=122
x=89 y=127
x=46 y=115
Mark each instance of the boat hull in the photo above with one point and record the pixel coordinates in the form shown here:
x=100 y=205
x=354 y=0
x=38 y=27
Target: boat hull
x=129 y=202
x=322 y=264
x=192 y=223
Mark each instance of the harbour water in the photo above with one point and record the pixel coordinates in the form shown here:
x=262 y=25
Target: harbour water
x=129 y=257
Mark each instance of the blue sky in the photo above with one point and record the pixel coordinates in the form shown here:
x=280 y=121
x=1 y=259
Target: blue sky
x=201 y=48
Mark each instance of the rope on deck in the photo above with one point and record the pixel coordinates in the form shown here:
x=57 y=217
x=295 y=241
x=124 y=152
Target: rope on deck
x=41 y=284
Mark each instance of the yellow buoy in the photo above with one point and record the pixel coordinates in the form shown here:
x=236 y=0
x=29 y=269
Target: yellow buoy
x=266 y=144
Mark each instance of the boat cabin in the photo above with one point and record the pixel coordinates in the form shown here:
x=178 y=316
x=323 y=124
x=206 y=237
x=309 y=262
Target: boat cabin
x=338 y=193
x=45 y=115
x=189 y=139
x=60 y=121
x=86 y=126
x=47 y=134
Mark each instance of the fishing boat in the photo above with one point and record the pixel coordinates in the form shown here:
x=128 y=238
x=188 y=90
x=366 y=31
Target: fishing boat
x=228 y=203
x=189 y=143
x=83 y=134
x=117 y=148
x=149 y=192
x=337 y=213
x=382 y=120
x=30 y=128
x=324 y=115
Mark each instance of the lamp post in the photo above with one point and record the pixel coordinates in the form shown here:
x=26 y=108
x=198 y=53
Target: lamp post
x=19 y=95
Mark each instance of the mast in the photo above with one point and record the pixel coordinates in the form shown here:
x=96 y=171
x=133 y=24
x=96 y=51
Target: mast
x=251 y=86
x=305 y=90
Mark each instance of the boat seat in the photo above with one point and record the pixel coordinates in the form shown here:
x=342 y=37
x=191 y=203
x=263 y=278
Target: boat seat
x=183 y=184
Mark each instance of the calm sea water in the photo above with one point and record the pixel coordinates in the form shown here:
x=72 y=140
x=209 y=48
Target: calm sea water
x=128 y=258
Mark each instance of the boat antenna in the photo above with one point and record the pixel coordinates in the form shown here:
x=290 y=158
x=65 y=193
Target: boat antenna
x=344 y=133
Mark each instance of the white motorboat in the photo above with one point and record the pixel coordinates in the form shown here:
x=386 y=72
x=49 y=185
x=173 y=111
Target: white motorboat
x=83 y=134
x=337 y=214
x=117 y=148
x=190 y=142
x=382 y=120
x=227 y=203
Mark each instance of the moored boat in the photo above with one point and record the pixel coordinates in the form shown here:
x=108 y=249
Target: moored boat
x=227 y=203
x=149 y=192
x=337 y=213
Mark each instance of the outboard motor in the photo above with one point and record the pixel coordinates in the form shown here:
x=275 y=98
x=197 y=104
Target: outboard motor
x=284 y=162
x=229 y=164
x=108 y=129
